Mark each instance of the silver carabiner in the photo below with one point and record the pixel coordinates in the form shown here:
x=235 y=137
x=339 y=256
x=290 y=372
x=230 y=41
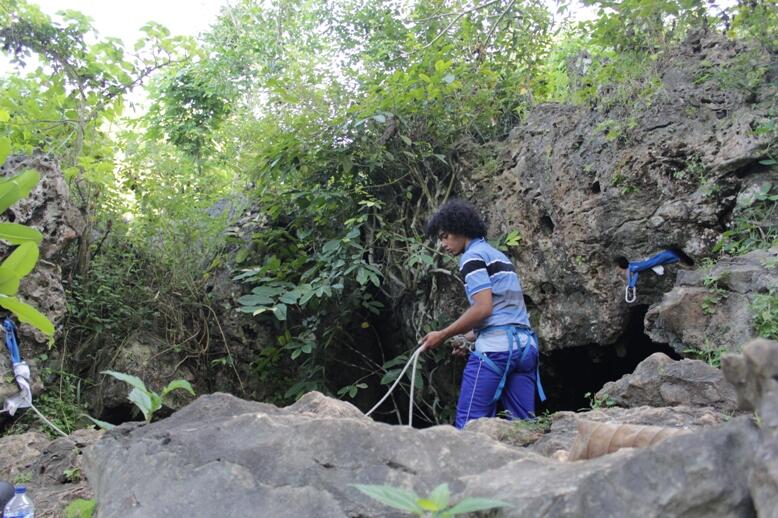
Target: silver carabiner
x=630 y=295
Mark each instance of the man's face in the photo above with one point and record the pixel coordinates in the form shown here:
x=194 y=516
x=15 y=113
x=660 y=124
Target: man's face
x=453 y=243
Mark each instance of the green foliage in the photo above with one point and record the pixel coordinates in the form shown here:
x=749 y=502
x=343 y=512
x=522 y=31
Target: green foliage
x=147 y=400
x=81 y=508
x=596 y=402
x=753 y=223
x=709 y=354
x=435 y=505
x=23 y=258
x=72 y=474
x=765 y=310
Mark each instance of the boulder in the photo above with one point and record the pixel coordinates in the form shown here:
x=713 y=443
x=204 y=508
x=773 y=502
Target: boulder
x=709 y=309
x=661 y=381
x=755 y=375
x=51 y=470
x=222 y=453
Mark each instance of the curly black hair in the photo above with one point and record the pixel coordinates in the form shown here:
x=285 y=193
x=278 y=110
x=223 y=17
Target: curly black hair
x=456 y=217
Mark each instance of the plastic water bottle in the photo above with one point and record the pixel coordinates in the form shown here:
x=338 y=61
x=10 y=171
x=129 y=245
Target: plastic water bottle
x=20 y=505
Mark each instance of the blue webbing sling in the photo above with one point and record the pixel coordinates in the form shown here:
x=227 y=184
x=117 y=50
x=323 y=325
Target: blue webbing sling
x=663 y=257
x=11 y=341
x=513 y=341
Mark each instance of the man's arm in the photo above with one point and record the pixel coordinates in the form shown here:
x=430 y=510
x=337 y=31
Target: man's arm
x=475 y=314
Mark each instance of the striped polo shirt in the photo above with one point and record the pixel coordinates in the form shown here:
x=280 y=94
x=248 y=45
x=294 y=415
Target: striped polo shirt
x=482 y=266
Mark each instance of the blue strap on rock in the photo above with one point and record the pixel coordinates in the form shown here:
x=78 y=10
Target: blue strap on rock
x=663 y=257
x=513 y=342
x=10 y=340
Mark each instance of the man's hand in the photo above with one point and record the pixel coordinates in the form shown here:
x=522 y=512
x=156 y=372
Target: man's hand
x=432 y=340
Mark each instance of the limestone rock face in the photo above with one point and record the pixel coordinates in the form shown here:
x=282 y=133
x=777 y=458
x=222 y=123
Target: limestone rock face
x=221 y=453
x=711 y=308
x=585 y=186
x=661 y=381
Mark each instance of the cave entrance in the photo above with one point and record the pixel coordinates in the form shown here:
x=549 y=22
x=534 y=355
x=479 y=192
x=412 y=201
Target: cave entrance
x=569 y=374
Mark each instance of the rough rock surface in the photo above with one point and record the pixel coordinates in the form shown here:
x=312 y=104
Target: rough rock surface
x=661 y=381
x=221 y=453
x=586 y=185
x=151 y=359
x=39 y=463
x=755 y=375
x=710 y=308
x=513 y=433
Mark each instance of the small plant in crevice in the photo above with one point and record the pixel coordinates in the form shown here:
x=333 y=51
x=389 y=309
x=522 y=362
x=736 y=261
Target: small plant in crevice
x=765 y=310
x=148 y=401
x=435 y=505
x=80 y=508
x=596 y=402
x=754 y=223
x=715 y=294
x=710 y=354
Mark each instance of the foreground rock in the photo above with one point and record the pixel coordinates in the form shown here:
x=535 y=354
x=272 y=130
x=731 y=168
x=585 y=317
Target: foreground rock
x=755 y=374
x=51 y=470
x=661 y=381
x=224 y=454
x=711 y=308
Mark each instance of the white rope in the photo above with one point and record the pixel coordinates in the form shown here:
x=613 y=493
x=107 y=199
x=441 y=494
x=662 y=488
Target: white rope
x=43 y=417
x=413 y=359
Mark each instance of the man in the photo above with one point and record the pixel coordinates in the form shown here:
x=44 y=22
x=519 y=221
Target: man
x=504 y=366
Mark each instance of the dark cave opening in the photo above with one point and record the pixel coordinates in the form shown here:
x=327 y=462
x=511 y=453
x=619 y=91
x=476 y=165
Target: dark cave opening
x=569 y=374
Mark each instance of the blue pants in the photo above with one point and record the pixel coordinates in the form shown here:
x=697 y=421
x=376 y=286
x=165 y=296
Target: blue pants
x=479 y=384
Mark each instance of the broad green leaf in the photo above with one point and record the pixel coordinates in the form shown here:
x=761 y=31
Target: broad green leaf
x=471 y=505
x=392 y=496
x=440 y=496
x=5 y=148
x=17 y=234
x=127 y=378
x=280 y=312
x=9 y=282
x=176 y=385
x=428 y=505
x=4 y=116
x=102 y=424
x=16 y=188
x=28 y=314
x=142 y=400
x=22 y=260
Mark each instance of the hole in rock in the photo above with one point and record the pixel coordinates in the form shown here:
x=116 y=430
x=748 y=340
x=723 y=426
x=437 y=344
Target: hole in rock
x=568 y=374
x=547 y=225
x=120 y=414
x=596 y=187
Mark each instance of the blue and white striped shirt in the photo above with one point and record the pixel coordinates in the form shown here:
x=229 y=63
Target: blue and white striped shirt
x=482 y=266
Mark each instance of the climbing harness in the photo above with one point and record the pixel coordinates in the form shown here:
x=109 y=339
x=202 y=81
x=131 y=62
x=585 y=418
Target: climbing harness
x=22 y=376
x=513 y=343
x=652 y=263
